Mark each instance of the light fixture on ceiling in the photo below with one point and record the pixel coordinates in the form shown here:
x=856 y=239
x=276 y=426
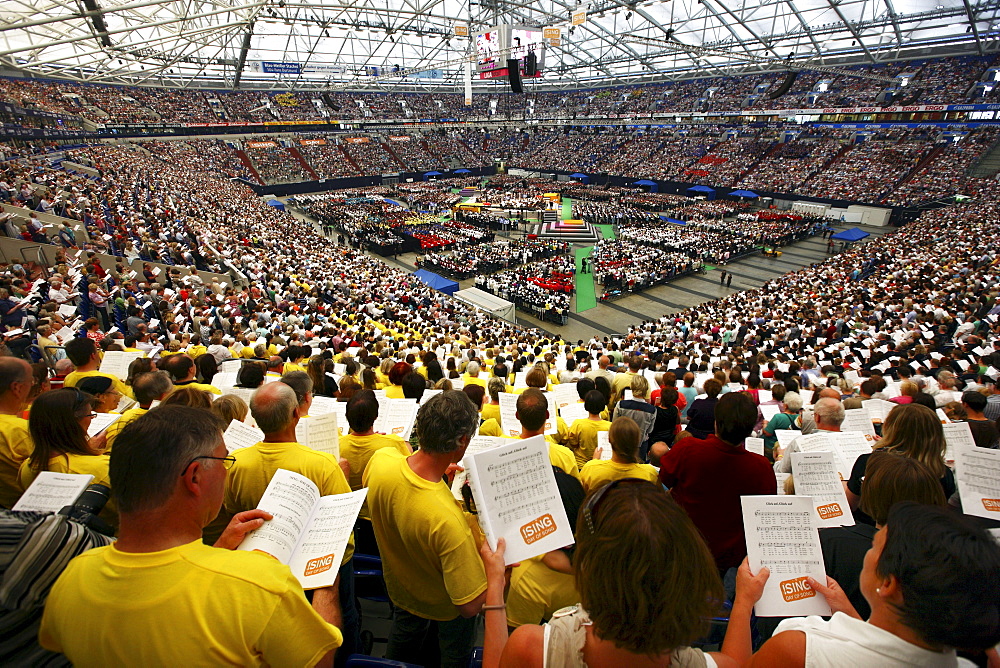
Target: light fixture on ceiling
x=628 y=16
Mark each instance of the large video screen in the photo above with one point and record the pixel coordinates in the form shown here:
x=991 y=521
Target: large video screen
x=524 y=41
x=488 y=47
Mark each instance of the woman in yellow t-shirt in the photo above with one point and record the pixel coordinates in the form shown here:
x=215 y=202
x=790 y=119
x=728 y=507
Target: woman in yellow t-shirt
x=624 y=436
x=58 y=425
x=582 y=436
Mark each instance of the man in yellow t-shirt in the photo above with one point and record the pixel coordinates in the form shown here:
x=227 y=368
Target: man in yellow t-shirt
x=277 y=410
x=86 y=359
x=144 y=597
x=183 y=370
x=432 y=568
x=148 y=387
x=582 y=436
x=358 y=446
x=623 y=381
x=16 y=381
x=532 y=413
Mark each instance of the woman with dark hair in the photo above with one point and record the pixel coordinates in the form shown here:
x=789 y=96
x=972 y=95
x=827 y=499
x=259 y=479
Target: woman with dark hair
x=396 y=374
x=932 y=580
x=665 y=426
x=701 y=415
x=369 y=380
x=58 y=424
x=320 y=371
x=432 y=368
x=251 y=374
x=139 y=365
x=105 y=396
x=630 y=614
x=207 y=368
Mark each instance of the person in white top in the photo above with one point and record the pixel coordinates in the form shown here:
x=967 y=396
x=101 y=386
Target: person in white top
x=932 y=578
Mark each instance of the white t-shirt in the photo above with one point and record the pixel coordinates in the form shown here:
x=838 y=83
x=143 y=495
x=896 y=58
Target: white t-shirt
x=846 y=641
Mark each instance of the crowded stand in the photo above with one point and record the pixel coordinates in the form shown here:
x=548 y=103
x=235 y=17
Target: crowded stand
x=947 y=174
x=326 y=157
x=489 y=258
x=621 y=267
x=906 y=320
x=867 y=171
x=413 y=152
x=203 y=155
x=274 y=162
x=370 y=156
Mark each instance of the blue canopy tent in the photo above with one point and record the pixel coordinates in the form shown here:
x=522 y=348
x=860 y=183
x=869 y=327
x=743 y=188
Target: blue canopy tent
x=463 y=171
x=280 y=206
x=851 y=235
x=429 y=175
x=673 y=220
x=744 y=193
x=694 y=191
x=651 y=186
x=439 y=283
x=583 y=177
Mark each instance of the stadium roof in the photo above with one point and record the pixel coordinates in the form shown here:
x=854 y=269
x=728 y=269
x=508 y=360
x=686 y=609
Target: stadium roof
x=225 y=44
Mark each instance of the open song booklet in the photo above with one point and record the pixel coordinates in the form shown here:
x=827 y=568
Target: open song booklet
x=50 y=492
x=517 y=498
x=309 y=532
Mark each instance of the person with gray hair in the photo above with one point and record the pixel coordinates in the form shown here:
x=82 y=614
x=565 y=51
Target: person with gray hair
x=472 y=371
x=277 y=410
x=146 y=592
x=148 y=387
x=432 y=569
x=828 y=414
x=302 y=384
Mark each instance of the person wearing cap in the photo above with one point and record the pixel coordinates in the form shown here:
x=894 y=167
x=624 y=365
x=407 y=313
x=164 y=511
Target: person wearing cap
x=106 y=397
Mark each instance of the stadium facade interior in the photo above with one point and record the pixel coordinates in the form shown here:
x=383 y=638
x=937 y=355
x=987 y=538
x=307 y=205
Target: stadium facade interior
x=595 y=173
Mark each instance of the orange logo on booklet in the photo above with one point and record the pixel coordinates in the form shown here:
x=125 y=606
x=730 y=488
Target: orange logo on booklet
x=796 y=590
x=993 y=505
x=829 y=510
x=319 y=565
x=538 y=529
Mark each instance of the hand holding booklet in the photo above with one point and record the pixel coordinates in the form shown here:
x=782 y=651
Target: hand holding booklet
x=782 y=534
x=517 y=498
x=308 y=532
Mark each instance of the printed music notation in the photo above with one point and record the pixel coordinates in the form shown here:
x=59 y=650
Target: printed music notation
x=781 y=534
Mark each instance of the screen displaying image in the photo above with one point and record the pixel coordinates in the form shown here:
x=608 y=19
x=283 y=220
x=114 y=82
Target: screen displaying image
x=523 y=42
x=487 y=50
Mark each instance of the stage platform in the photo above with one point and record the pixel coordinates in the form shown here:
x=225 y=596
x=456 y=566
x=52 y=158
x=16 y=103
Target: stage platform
x=572 y=231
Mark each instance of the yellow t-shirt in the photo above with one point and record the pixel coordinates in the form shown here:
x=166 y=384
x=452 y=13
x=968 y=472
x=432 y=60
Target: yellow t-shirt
x=599 y=472
x=429 y=556
x=247 y=352
x=204 y=387
x=256 y=615
x=582 y=438
x=394 y=392
x=491 y=412
x=75 y=377
x=256 y=465
x=620 y=383
x=131 y=415
x=15 y=448
x=357 y=450
x=490 y=427
x=290 y=366
x=478 y=380
x=197 y=351
x=536 y=591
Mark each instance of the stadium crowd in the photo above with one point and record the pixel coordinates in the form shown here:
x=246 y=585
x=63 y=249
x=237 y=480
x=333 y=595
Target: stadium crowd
x=910 y=315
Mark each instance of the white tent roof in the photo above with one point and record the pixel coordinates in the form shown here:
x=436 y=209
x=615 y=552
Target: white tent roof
x=201 y=42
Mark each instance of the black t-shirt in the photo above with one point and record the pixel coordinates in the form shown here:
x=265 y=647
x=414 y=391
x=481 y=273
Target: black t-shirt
x=844 y=551
x=664 y=428
x=984 y=433
x=858 y=475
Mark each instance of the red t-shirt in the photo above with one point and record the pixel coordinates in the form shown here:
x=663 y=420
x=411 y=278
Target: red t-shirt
x=707 y=478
